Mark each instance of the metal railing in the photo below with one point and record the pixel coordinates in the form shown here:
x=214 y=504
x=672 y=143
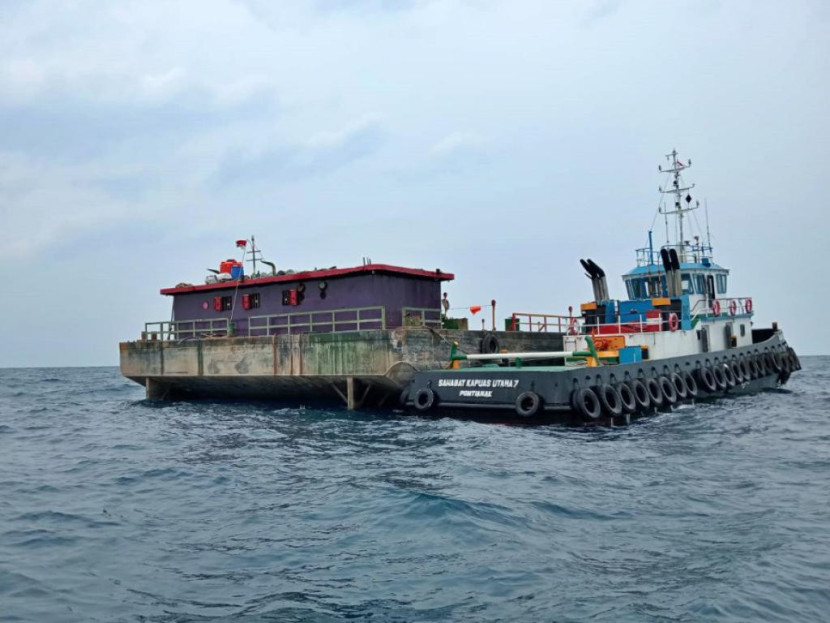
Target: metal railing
x=706 y=307
x=648 y=256
x=185 y=329
x=330 y=321
x=544 y=323
x=420 y=317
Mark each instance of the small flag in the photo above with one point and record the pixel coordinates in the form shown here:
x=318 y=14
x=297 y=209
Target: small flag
x=680 y=165
x=241 y=243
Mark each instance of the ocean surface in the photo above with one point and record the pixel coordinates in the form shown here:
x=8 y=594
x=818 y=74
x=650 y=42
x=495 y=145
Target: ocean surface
x=115 y=509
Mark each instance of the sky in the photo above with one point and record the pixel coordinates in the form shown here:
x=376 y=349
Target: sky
x=498 y=140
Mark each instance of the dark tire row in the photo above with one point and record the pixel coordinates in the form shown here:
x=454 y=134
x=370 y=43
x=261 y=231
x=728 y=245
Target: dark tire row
x=647 y=393
x=663 y=391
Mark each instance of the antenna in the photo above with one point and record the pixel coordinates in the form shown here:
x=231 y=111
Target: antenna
x=708 y=235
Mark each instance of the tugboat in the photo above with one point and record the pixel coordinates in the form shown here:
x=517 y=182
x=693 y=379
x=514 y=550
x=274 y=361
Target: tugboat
x=680 y=336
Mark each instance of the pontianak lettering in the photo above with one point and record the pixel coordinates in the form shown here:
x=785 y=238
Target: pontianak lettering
x=488 y=383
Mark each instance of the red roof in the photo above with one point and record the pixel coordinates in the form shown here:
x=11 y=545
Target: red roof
x=316 y=274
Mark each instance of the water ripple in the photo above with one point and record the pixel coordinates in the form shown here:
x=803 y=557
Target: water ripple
x=116 y=509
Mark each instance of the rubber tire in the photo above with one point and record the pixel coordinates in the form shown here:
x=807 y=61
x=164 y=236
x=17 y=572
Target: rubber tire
x=707 y=380
x=627 y=398
x=679 y=386
x=762 y=365
x=775 y=357
x=641 y=395
x=610 y=400
x=744 y=367
x=754 y=370
x=691 y=385
x=668 y=390
x=489 y=344
x=424 y=399
x=731 y=381
x=796 y=359
x=528 y=404
x=655 y=394
x=736 y=372
x=586 y=403
x=720 y=378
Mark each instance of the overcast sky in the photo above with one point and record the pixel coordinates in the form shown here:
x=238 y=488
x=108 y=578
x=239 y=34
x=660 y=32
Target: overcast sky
x=499 y=140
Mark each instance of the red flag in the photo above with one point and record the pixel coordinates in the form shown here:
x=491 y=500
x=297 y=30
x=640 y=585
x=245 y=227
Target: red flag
x=242 y=243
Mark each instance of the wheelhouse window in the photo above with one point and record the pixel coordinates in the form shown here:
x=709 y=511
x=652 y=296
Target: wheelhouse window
x=688 y=287
x=721 y=281
x=636 y=288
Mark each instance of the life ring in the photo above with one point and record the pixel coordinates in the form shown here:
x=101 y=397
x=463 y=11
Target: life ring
x=733 y=307
x=572 y=330
x=674 y=322
x=528 y=404
x=716 y=307
x=424 y=399
x=748 y=306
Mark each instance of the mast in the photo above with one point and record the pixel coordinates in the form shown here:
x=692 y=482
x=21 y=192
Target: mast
x=677 y=189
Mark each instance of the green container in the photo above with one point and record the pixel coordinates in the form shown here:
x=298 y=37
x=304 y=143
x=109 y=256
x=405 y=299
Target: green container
x=508 y=324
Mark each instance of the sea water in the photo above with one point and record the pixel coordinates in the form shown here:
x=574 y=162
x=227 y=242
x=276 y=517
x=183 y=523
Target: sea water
x=116 y=509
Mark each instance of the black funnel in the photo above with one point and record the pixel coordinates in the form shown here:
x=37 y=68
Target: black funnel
x=675 y=262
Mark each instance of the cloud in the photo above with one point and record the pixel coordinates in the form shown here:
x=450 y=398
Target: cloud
x=458 y=142
x=320 y=154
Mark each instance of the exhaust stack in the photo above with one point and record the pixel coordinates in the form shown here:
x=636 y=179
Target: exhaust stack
x=598 y=280
x=675 y=266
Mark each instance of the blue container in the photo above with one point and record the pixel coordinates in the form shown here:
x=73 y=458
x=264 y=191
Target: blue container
x=236 y=272
x=631 y=354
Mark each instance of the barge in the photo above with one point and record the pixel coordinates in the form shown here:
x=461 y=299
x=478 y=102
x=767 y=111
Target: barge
x=679 y=336
x=350 y=336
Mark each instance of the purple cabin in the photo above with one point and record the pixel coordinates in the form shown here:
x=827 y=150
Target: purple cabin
x=369 y=297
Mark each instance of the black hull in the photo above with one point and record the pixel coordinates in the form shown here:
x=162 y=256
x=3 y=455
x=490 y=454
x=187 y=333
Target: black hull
x=492 y=394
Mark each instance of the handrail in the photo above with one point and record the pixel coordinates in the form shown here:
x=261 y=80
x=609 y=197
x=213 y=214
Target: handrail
x=544 y=322
x=310 y=321
x=170 y=330
x=417 y=316
x=706 y=306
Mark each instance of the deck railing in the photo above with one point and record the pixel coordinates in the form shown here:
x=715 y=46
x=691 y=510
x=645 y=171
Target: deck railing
x=421 y=317
x=544 y=323
x=330 y=321
x=186 y=329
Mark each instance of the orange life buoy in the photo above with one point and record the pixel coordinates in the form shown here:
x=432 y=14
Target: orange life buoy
x=716 y=307
x=733 y=307
x=748 y=306
x=674 y=322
